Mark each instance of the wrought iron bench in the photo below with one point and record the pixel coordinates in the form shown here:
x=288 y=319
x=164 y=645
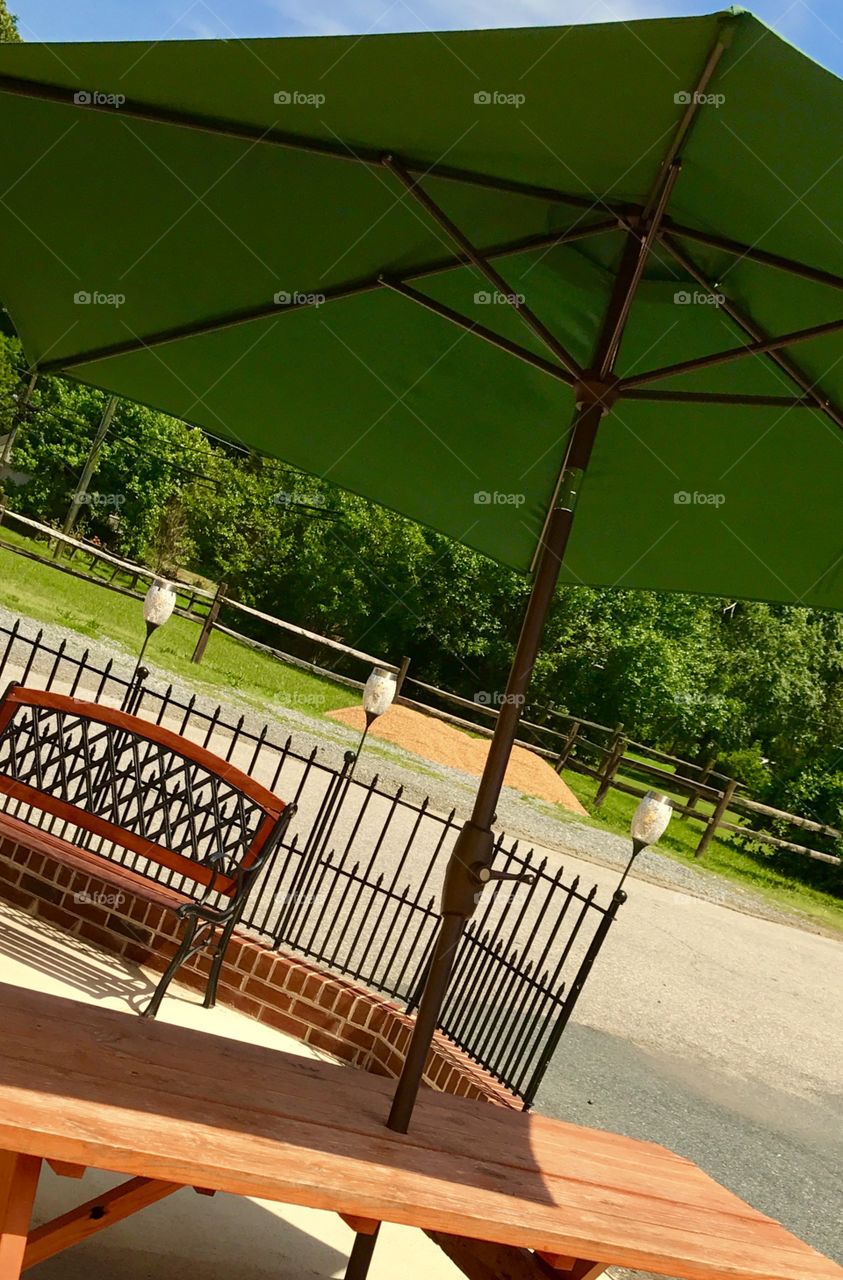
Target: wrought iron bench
x=141 y=808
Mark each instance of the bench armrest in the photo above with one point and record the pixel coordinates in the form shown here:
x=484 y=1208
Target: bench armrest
x=244 y=878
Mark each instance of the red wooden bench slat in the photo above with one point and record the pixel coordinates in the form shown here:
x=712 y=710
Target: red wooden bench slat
x=273 y=807
x=20 y=696
x=92 y=864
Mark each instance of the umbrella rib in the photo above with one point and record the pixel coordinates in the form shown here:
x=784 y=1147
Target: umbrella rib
x=761 y=347
x=788 y=366
x=717 y=397
x=438 y=215
x=646 y=225
x=479 y=330
x=40 y=90
x=695 y=101
x=636 y=253
x=349 y=289
x=739 y=250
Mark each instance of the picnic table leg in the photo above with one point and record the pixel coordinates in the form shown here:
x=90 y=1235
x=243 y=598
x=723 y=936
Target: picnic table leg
x=18 y=1183
x=360 y=1257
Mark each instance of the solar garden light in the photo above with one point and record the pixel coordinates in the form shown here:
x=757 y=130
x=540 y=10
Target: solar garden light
x=649 y=823
x=378 y=696
x=158 y=605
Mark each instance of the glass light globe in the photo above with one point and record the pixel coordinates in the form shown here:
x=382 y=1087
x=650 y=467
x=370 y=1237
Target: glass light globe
x=159 y=604
x=379 y=692
x=649 y=822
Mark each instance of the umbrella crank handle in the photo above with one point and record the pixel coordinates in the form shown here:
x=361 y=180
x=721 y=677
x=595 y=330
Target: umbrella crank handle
x=484 y=875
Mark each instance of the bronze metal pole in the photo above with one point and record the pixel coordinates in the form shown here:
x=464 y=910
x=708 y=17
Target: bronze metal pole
x=469 y=867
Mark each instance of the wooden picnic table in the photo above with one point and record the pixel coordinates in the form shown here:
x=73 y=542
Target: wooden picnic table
x=83 y=1086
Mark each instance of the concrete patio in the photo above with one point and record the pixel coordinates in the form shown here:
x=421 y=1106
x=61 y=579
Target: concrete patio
x=186 y=1233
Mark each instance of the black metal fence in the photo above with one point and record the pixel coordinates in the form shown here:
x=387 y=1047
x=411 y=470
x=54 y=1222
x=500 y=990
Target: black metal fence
x=354 y=885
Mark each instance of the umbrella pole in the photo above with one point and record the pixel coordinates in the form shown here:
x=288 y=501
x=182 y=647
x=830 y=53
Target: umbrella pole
x=472 y=854
x=469 y=866
x=470 y=862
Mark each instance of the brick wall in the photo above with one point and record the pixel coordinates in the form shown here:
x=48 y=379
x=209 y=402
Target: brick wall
x=277 y=988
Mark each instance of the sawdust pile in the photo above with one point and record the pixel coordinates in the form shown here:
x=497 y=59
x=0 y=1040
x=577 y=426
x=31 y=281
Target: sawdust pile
x=443 y=743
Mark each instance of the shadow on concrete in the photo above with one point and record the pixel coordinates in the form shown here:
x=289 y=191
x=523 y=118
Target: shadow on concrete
x=186 y=1234
x=69 y=959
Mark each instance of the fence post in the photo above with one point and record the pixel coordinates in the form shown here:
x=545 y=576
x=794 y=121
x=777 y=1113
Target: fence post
x=615 y=754
x=716 y=817
x=693 y=792
x=208 y=625
x=570 y=739
x=402 y=675
x=618 y=899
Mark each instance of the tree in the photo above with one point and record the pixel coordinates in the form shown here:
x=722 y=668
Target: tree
x=8 y=25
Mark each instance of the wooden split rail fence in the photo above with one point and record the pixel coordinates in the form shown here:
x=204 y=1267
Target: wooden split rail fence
x=617 y=763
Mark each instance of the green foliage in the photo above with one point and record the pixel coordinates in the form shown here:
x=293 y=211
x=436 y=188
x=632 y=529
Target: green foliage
x=8 y=25
x=146 y=459
x=749 y=766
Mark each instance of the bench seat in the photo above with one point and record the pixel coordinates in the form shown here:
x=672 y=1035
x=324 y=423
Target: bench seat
x=167 y=804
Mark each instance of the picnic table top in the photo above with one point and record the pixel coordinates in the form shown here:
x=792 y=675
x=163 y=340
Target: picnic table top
x=99 y=1087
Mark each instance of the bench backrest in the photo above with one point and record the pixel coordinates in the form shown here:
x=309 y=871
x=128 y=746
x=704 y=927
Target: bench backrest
x=135 y=784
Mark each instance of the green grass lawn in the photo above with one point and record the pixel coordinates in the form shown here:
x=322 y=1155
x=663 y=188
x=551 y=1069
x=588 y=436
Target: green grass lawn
x=753 y=871
x=39 y=591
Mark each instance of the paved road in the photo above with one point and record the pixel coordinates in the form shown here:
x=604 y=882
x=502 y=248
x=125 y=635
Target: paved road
x=720 y=1035
x=781 y=1153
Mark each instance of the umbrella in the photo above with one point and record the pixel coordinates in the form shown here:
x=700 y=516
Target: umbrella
x=567 y=295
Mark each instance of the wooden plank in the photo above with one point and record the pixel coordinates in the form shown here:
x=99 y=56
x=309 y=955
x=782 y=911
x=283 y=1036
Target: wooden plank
x=557 y=1261
x=280 y=1140
x=363 y=1226
x=480 y=1260
x=765 y=837
x=755 y=806
x=93 y=1216
x=18 y=1184
x=672 y=1178
x=302 y=1164
x=602 y=1158
x=572 y=1268
x=66 y=1170
x=101 y=713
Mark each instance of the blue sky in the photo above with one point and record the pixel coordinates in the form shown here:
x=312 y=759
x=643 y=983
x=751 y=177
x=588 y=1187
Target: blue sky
x=816 y=26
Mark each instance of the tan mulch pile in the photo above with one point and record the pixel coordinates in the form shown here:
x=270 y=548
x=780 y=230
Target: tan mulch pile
x=433 y=739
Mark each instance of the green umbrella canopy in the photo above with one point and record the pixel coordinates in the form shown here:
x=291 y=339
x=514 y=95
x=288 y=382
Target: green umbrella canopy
x=293 y=243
